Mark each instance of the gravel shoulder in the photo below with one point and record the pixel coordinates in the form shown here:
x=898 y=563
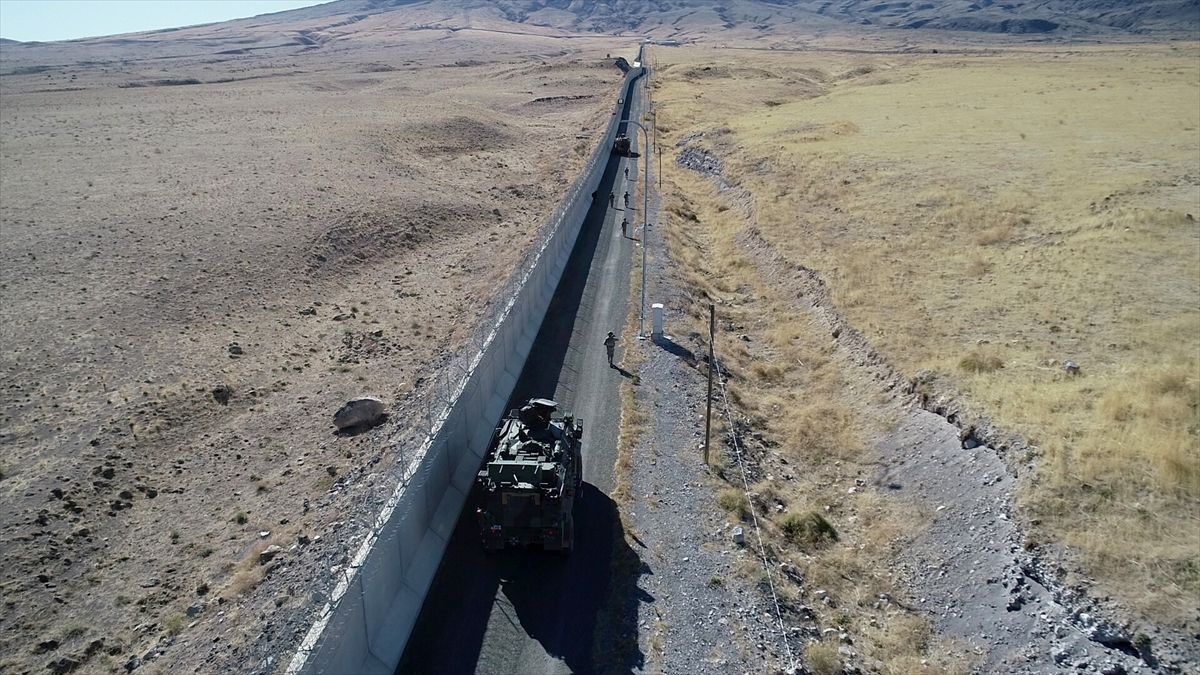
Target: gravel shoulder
x=696 y=611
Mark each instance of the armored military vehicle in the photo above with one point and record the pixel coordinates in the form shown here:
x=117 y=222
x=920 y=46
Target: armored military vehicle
x=529 y=483
x=621 y=146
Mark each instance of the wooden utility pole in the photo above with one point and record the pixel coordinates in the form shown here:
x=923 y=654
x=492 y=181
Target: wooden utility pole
x=712 y=334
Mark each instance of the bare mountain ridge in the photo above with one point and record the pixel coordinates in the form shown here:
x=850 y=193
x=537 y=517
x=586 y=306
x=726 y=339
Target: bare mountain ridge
x=684 y=20
x=667 y=19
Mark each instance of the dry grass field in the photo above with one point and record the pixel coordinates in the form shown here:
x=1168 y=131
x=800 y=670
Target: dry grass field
x=986 y=215
x=206 y=252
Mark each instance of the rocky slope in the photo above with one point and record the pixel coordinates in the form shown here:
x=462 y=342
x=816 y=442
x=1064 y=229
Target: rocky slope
x=687 y=20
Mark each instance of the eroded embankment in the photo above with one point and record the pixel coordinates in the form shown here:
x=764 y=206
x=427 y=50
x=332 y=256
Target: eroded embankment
x=970 y=566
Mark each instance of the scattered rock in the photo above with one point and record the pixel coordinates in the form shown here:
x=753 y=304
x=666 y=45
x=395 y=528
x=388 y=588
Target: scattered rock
x=221 y=394
x=364 y=411
x=739 y=536
x=269 y=554
x=1071 y=367
x=45 y=646
x=63 y=665
x=235 y=350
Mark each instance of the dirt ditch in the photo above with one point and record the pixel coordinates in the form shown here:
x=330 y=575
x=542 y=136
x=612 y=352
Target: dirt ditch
x=974 y=571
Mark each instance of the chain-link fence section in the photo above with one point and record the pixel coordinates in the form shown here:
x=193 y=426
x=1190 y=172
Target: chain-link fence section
x=429 y=456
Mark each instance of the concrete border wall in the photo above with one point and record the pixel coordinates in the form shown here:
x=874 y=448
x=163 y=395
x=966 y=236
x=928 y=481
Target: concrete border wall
x=371 y=613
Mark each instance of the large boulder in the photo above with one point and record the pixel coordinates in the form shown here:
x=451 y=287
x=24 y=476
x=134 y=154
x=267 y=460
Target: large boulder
x=360 y=412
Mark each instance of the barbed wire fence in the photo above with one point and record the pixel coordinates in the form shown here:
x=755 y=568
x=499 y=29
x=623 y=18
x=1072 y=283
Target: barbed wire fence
x=735 y=442
x=417 y=419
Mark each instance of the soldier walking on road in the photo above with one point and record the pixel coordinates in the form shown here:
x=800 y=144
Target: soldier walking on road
x=612 y=199
x=626 y=172
x=610 y=344
x=624 y=227
x=627 y=199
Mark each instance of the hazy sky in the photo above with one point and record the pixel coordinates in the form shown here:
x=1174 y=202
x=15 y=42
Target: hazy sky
x=68 y=19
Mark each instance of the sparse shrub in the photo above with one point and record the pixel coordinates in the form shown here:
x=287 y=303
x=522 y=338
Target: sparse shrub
x=175 y=624
x=240 y=518
x=808 y=530
x=768 y=372
x=733 y=501
x=977 y=266
x=822 y=658
x=715 y=582
x=1165 y=382
x=981 y=361
x=245 y=581
x=765 y=495
x=997 y=234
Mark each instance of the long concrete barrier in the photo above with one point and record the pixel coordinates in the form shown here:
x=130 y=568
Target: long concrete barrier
x=366 y=623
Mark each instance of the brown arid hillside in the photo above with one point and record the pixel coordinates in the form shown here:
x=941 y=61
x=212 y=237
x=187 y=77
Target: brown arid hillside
x=212 y=238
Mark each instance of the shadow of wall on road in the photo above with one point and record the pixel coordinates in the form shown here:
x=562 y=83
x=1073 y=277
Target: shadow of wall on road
x=558 y=600
x=583 y=610
x=463 y=595
x=543 y=366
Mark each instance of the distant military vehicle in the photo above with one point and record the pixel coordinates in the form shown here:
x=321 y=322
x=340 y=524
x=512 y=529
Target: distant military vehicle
x=621 y=145
x=531 y=478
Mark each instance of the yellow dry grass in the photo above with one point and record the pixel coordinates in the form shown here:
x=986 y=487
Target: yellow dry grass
x=988 y=217
x=787 y=380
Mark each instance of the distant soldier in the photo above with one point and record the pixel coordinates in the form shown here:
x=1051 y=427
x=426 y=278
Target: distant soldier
x=624 y=227
x=627 y=199
x=610 y=344
x=612 y=199
x=626 y=172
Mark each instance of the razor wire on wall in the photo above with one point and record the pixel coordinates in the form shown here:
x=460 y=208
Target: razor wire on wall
x=412 y=455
